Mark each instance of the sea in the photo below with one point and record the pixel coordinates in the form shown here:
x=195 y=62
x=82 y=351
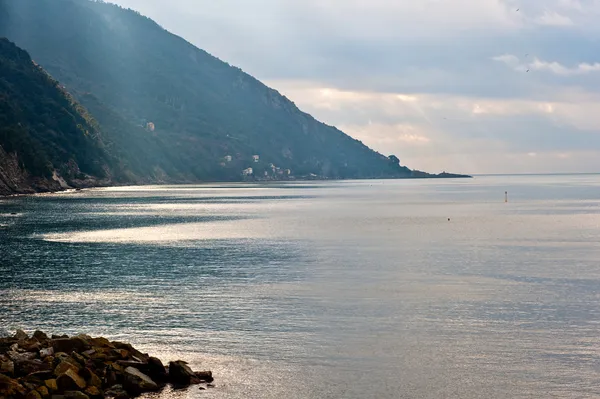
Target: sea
x=331 y=289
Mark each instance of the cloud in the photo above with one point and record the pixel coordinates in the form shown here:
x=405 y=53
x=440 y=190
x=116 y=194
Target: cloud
x=552 y=18
x=517 y=64
x=416 y=127
x=382 y=135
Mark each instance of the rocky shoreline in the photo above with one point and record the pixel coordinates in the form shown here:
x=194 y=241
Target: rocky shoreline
x=82 y=367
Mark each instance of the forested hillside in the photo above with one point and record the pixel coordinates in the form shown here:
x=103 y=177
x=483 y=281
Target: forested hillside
x=43 y=131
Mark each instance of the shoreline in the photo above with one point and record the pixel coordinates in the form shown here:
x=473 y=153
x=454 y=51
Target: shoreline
x=81 y=367
x=447 y=176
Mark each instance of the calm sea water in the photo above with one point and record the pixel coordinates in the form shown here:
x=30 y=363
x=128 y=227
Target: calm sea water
x=325 y=290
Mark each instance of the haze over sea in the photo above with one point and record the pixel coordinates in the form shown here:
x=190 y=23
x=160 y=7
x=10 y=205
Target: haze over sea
x=354 y=289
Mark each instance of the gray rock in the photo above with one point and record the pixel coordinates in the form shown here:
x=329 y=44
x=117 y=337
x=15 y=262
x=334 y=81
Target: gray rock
x=63 y=366
x=116 y=392
x=135 y=382
x=25 y=367
x=156 y=370
x=30 y=345
x=41 y=375
x=21 y=335
x=33 y=395
x=11 y=387
x=19 y=357
x=40 y=336
x=75 y=395
x=7 y=366
x=204 y=376
x=46 y=352
x=68 y=345
x=70 y=381
x=180 y=373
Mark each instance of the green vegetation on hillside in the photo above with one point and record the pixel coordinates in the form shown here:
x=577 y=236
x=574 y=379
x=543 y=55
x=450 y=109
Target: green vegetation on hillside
x=42 y=124
x=128 y=71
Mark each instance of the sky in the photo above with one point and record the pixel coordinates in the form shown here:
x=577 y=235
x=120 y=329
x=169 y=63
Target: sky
x=469 y=86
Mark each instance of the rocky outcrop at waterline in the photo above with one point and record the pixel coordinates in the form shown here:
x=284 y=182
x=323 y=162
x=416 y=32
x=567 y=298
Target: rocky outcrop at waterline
x=82 y=367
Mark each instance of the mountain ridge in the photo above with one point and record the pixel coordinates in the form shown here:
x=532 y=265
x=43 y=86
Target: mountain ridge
x=171 y=112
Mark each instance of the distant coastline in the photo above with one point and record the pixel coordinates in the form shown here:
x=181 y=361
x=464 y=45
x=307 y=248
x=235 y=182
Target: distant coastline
x=166 y=183
x=537 y=174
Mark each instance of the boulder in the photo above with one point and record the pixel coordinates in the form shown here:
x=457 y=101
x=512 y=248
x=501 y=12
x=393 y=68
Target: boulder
x=25 y=367
x=16 y=356
x=10 y=387
x=63 y=366
x=79 y=359
x=68 y=345
x=95 y=381
x=142 y=357
x=51 y=385
x=205 y=376
x=121 y=353
x=116 y=392
x=93 y=392
x=180 y=373
x=21 y=335
x=43 y=391
x=75 y=395
x=110 y=378
x=40 y=336
x=135 y=382
x=41 y=375
x=46 y=352
x=91 y=378
x=33 y=395
x=63 y=357
x=133 y=363
x=6 y=343
x=29 y=385
x=89 y=353
x=101 y=342
x=7 y=366
x=70 y=381
x=117 y=367
x=156 y=370
x=30 y=345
